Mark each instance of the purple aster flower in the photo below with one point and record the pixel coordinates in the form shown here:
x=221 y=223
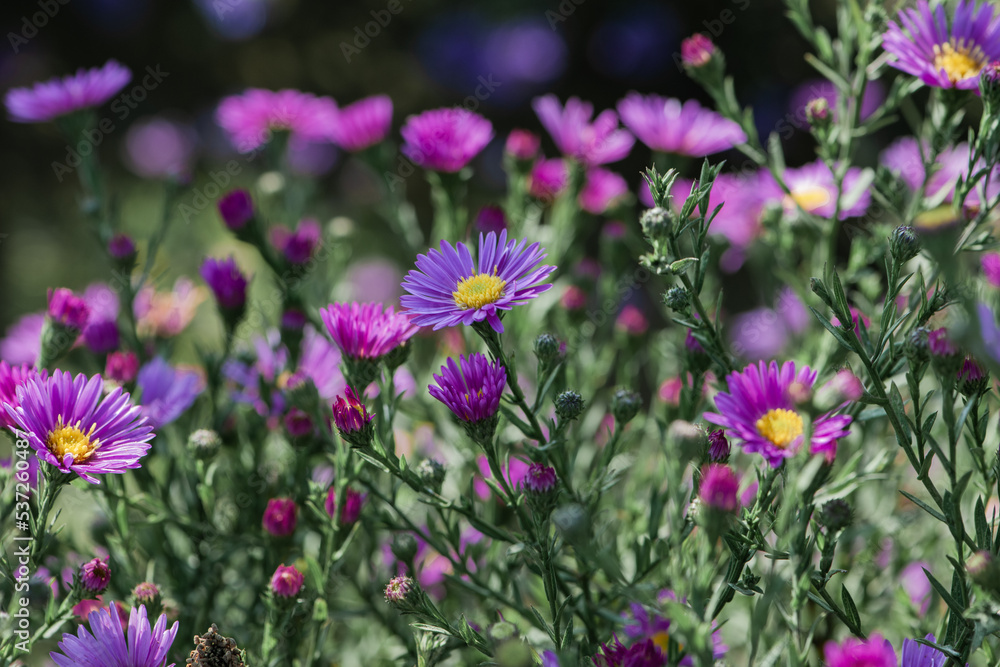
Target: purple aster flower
x=352 y=419
x=250 y=118
x=353 y=502
x=227 y=282
x=447 y=288
x=160 y=148
x=602 y=189
x=876 y=651
x=697 y=50
x=320 y=362
x=668 y=126
x=366 y=330
x=759 y=410
x=924 y=47
x=67 y=308
x=298 y=246
x=902 y=158
x=917 y=586
x=719 y=487
x=645 y=653
x=548 y=178
x=522 y=145
x=70 y=426
x=471 y=388
x=814 y=190
x=550 y=659
x=758 y=334
x=363 y=123
x=95 y=575
x=280 y=517
x=23 y=341
x=921 y=655
x=58 y=97
x=166 y=392
x=287 y=581
x=13 y=376
x=445 y=139
x=113 y=645
x=575 y=136
x=236 y=209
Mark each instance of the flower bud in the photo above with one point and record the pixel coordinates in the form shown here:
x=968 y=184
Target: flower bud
x=904 y=244
x=400 y=590
x=353 y=421
x=835 y=515
x=697 y=50
x=718 y=446
x=121 y=367
x=547 y=348
x=569 y=405
x=95 y=575
x=718 y=488
x=917 y=346
x=625 y=405
x=491 y=219
x=121 y=248
x=287 y=581
x=818 y=112
x=522 y=145
x=989 y=88
x=972 y=379
x=432 y=473
x=280 y=517
x=146 y=593
x=204 y=443
x=236 y=209
x=677 y=298
x=656 y=222
x=404 y=547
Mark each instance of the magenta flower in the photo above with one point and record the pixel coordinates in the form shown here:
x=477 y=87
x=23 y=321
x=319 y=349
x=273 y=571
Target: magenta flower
x=447 y=288
x=236 y=209
x=366 y=330
x=352 y=419
x=668 y=126
x=57 y=97
x=522 y=145
x=471 y=389
x=298 y=246
x=445 y=139
x=924 y=47
x=575 y=136
x=226 y=281
x=70 y=426
x=515 y=472
x=95 y=575
x=287 y=581
x=250 y=118
x=990 y=263
x=121 y=367
x=876 y=651
x=121 y=246
x=548 y=178
x=759 y=410
x=697 y=50
x=280 y=517
x=917 y=586
x=718 y=445
x=491 y=218
x=902 y=158
x=12 y=377
x=353 y=502
x=146 y=592
x=67 y=308
x=602 y=190
x=363 y=123
x=540 y=479
x=719 y=487
x=109 y=643
x=814 y=190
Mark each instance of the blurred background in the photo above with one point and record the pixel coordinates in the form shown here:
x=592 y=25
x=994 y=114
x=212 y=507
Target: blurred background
x=431 y=53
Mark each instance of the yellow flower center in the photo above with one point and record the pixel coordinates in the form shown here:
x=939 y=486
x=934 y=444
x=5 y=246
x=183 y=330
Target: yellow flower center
x=72 y=440
x=478 y=290
x=809 y=198
x=959 y=60
x=780 y=426
x=661 y=639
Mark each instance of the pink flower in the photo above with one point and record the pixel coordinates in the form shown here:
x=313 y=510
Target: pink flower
x=445 y=139
x=548 y=178
x=250 y=118
x=280 y=517
x=514 y=473
x=632 y=321
x=67 y=308
x=590 y=143
x=697 y=50
x=522 y=144
x=298 y=246
x=718 y=488
x=353 y=502
x=602 y=189
x=914 y=581
x=57 y=97
x=363 y=123
x=991 y=268
x=287 y=581
x=876 y=651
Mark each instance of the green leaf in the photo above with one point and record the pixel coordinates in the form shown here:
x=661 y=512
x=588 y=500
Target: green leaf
x=850 y=609
x=983 y=535
x=952 y=603
x=896 y=401
x=925 y=507
x=836 y=331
